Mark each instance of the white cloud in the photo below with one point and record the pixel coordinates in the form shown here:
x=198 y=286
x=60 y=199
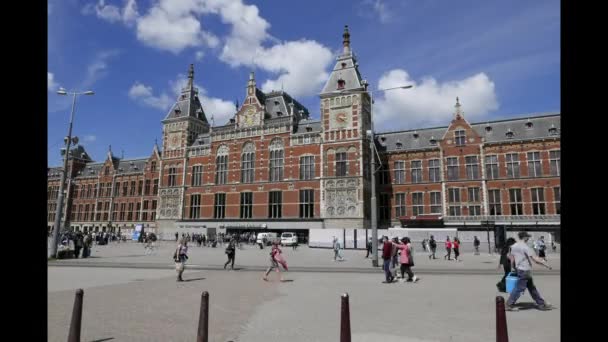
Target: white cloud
x=112 y=13
x=430 y=102
x=51 y=84
x=199 y=55
x=90 y=138
x=375 y=9
x=143 y=94
x=98 y=68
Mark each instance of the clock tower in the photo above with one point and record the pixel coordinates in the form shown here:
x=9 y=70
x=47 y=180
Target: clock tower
x=252 y=111
x=345 y=118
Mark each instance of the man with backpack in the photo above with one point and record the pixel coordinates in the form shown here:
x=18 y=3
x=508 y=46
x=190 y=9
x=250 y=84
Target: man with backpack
x=433 y=246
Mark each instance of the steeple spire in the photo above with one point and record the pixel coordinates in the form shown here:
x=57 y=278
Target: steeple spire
x=191 y=78
x=251 y=84
x=346 y=40
x=458 y=113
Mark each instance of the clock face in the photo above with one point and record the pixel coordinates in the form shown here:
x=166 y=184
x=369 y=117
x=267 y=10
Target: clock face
x=173 y=140
x=250 y=117
x=340 y=119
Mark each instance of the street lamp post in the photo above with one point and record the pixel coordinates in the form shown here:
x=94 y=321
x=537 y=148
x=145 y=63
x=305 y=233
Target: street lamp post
x=68 y=142
x=372 y=147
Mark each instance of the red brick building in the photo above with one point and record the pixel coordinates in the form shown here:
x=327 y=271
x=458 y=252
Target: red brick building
x=272 y=167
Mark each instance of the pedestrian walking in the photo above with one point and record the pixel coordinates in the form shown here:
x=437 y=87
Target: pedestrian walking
x=78 y=244
x=387 y=250
x=476 y=244
x=368 y=248
x=505 y=263
x=407 y=259
x=424 y=244
x=275 y=259
x=433 y=247
x=448 y=249
x=180 y=256
x=456 y=248
x=522 y=258
x=87 y=243
x=176 y=236
x=231 y=253
x=542 y=248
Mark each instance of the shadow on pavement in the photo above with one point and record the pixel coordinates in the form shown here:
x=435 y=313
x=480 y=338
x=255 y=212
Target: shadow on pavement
x=525 y=305
x=103 y=339
x=194 y=279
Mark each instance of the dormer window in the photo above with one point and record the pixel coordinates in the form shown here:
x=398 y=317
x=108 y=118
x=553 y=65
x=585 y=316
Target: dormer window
x=343 y=65
x=415 y=135
x=399 y=145
x=488 y=129
x=308 y=129
x=529 y=124
x=120 y=169
x=341 y=84
x=177 y=112
x=276 y=103
x=433 y=141
x=552 y=130
x=459 y=137
x=509 y=134
x=279 y=113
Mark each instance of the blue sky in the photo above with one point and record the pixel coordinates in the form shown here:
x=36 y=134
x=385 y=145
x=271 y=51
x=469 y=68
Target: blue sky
x=501 y=58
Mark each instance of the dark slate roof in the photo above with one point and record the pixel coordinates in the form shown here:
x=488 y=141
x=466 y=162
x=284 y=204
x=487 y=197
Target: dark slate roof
x=540 y=128
x=54 y=172
x=303 y=125
x=131 y=165
x=203 y=139
x=278 y=101
x=90 y=170
x=260 y=95
x=349 y=73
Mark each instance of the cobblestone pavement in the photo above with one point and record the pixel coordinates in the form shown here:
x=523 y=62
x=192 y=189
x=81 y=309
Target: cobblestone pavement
x=303 y=259
x=149 y=305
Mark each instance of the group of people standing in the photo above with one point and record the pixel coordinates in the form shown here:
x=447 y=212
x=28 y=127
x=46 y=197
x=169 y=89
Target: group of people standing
x=394 y=253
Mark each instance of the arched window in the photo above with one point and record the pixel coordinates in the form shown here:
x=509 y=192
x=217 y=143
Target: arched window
x=276 y=160
x=247 y=163
x=221 y=165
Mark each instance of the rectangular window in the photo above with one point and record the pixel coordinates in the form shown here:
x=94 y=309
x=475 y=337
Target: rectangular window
x=130 y=212
x=460 y=137
x=341 y=170
x=416 y=171
x=246 y=205
x=146 y=205
x=555 y=161
x=384 y=174
x=197 y=175
x=219 y=207
x=538 y=201
x=534 y=166
x=137 y=211
x=474 y=195
x=82 y=191
x=221 y=169
x=108 y=189
x=307 y=203
x=114 y=212
x=512 y=165
x=172 y=176
x=147 y=187
x=195 y=206
x=307 y=167
x=125 y=188
x=153 y=166
x=140 y=186
x=144 y=216
x=492 y=167
x=472 y=167
x=154 y=203
x=276 y=165
x=155 y=188
x=384 y=207
x=400 y=208
x=122 y=211
x=474 y=210
x=515 y=202
x=494 y=202
x=80 y=212
x=434 y=170
x=557 y=200
x=132 y=189
x=86 y=212
x=399 y=172
x=275 y=204
x=247 y=167
x=452 y=163
x=454 y=201
x=417 y=203
x=436 y=202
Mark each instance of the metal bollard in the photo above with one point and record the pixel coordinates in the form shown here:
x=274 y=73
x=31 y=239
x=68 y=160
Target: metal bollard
x=501 y=320
x=345 y=320
x=203 y=319
x=74 y=334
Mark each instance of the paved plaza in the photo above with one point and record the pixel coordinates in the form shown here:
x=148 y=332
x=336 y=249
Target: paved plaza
x=130 y=296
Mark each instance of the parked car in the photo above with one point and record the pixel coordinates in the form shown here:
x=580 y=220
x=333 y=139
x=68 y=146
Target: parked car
x=269 y=238
x=289 y=239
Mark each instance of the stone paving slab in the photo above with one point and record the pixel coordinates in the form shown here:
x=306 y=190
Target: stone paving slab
x=245 y=308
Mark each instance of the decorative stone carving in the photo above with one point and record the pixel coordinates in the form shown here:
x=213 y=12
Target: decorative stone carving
x=290 y=186
x=340 y=211
x=352 y=210
x=330 y=211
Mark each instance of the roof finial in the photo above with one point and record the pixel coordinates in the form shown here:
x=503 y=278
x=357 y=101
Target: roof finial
x=251 y=76
x=346 y=40
x=458 y=113
x=110 y=148
x=191 y=77
x=236 y=104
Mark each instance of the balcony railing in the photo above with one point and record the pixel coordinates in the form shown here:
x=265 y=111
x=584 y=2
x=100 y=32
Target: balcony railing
x=504 y=218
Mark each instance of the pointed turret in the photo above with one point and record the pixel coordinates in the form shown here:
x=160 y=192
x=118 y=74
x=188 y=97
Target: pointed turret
x=458 y=114
x=188 y=103
x=345 y=76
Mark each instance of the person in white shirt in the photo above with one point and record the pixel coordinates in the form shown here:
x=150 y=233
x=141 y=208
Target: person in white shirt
x=522 y=257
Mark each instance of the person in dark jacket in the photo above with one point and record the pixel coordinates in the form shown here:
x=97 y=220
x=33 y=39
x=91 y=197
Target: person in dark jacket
x=369 y=248
x=78 y=243
x=505 y=262
x=433 y=246
x=387 y=255
x=476 y=244
x=231 y=253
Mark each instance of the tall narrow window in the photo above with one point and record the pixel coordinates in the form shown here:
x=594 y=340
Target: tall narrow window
x=172 y=175
x=86 y=212
x=307 y=167
x=125 y=188
x=400 y=208
x=436 y=202
x=147 y=187
x=122 y=211
x=554 y=158
x=454 y=201
x=197 y=175
x=114 y=211
x=434 y=170
x=492 y=167
x=137 y=211
x=452 y=163
x=515 y=202
x=219 y=207
x=341 y=164
x=153 y=166
x=89 y=188
x=153 y=213
x=494 y=202
x=130 y=212
x=474 y=206
x=383 y=174
x=195 y=206
x=276 y=160
x=472 y=166
x=140 y=186
x=416 y=171
x=307 y=203
x=155 y=188
x=247 y=163
x=246 y=205
x=417 y=203
x=534 y=166
x=384 y=207
x=538 y=201
x=557 y=200
x=221 y=165
x=275 y=204
x=459 y=137
x=399 y=172
x=512 y=165
x=132 y=189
